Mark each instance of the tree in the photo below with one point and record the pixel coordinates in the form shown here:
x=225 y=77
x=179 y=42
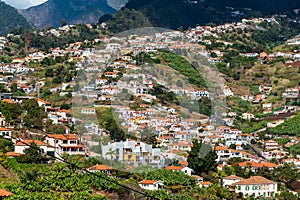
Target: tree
x=14 y=87
x=63 y=22
x=49 y=72
x=32 y=155
x=202 y=158
x=108 y=121
x=3 y=88
x=6 y=145
x=232 y=146
x=34 y=114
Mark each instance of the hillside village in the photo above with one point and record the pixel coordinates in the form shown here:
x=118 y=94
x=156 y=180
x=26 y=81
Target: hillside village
x=130 y=102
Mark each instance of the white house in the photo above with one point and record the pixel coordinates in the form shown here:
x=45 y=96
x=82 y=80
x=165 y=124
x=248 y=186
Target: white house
x=2 y=120
x=229 y=180
x=43 y=103
x=88 y=111
x=248 y=116
x=274 y=124
x=271 y=145
x=101 y=168
x=184 y=169
x=6 y=133
x=68 y=143
x=151 y=184
x=257 y=186
x=20 y=146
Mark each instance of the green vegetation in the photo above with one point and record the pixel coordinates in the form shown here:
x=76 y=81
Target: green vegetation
x=170 y=178
x=289 y=127
x=78 y=33
x=165 y=97
x=177 y=13
x=295 y=149
x=59 y=182
x=202 y=159
x=11 y=20
x=124 y=20
x=32 y=155
x=108 y=121
x=34 y=114
x=180 y=64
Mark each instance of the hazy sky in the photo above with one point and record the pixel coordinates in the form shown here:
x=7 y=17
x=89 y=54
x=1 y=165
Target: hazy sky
x=22 y=4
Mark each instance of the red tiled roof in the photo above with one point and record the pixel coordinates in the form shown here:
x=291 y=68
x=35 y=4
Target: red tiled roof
x=175 y=167
x=206 y=183
x=13 y=154
x=233 y=177
x=62 y=136
x=100 y=167
x=8 y=101
x=4 y=193
x=28 y=142
x=254 y=180
x=183 y=163
x=148 y=182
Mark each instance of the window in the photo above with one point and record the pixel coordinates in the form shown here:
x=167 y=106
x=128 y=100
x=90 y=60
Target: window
x=65 y=142
x=239 y=187
x=73 y=142
x=247 y=188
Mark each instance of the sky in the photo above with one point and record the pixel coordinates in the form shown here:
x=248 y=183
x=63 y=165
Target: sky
x=23 y=4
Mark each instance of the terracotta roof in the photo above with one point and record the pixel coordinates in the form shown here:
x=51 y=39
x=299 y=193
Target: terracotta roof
x=3 y=129
x=233 y=177
x=251 y=163
x=4 y=193
x=183 y=163
x=254 y=180
x=100 y=167
x=148 y=182
x=28 y=142
x=257 y=165
x=8 y=101
x=205 y=183
x=13 y=154
x=219 y=148
x=63 y=110
x=45 y=102
x=62 y=136
x=175 y=167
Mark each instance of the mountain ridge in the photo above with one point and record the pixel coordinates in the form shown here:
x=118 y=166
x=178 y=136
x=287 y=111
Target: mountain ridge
x=52 y=12
x=10 y=19
x=185 y=13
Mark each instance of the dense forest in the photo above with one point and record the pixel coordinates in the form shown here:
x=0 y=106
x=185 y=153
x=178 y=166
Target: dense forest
x=179 y=13
x=11 y=19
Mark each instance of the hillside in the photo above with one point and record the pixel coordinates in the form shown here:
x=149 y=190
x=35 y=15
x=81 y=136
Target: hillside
x=177 y=13
x=10 y=18
x=117 y=4
x=73 y=11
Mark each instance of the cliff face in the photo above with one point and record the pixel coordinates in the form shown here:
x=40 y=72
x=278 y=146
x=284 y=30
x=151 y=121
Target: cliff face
x=52 y=12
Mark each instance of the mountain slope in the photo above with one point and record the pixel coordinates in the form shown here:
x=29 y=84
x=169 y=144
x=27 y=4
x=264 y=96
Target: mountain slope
x=117 y=4
x=73 y=11
x=188 y=13
x=11 y=19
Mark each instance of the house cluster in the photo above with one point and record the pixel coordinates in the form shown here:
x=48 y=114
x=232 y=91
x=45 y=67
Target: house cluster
x=133 y=153
x=52 y=144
